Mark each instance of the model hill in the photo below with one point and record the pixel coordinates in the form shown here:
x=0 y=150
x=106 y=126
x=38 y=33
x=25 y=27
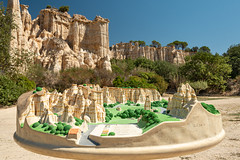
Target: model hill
x=60 y=41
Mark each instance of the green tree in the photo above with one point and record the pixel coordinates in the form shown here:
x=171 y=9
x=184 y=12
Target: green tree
x=64 y=9
x=178 y=44
x=233 y=53
x=48 y=6
x=155 y=44
x=194 y=49
x=144 y=63
x=199 y=85
x=204 y=49
x=6 y=26
x=118 y=82
x=203 y=66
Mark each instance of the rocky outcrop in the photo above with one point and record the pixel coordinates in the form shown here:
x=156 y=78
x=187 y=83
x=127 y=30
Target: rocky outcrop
x=133 y=51
x=60 y=41
x=182 y=101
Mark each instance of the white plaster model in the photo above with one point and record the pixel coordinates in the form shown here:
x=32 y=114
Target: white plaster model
x=198 y=130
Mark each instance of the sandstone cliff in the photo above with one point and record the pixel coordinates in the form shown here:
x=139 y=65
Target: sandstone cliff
x=133 y=51
x=60 y=41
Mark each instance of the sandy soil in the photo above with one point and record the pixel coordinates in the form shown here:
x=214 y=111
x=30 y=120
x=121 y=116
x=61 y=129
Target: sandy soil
x=229 y=149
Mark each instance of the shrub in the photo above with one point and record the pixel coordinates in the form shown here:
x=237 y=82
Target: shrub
x=64 y=9
x=48 y=6
x=12 y=87
x=138 y=104
x=77 y=123
x=57 y=132
x=105 y=105
x=111 y=134
x=60 y=127
x=55 y=114
x=199 y=85
x=53 y=131
x=46 y=129
x=66 y=132
x=50 y=127
x=35 y=125
x=107 y=119
x=45 y=125
x=67 y=127
x=210 y=108
x=38 y=89
x=62 y=132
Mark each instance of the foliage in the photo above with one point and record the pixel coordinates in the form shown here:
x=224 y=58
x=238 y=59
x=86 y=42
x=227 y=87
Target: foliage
x=163 y=103
x=111 y=134
x=204 y=49
x=178 y=44
x=6 y=26
x=199 y=85
x=155 y=44
x=48 y=6
x=129 y=113
x=140 y=43
x=150 y=118
x=210 y=108
x=78 y=121
x=118 y=82
x=233 y=53
x=204 y=66
x=144 y=63
x=36 y=124
x=12 y=87
x=108 y=116
x=64 y=9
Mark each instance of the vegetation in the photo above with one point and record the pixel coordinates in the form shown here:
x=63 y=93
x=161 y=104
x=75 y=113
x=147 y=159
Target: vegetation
x=60 y=129
x=155 y=44
x=48 y=6
x=111 y=134
x=78 y=121
x=64 y=9
x=178 y=44
x=109 y=115
x=233 y=53
x=210 y=108
x=199 y=85
x=203 y=66
x=163 y=103
x=12 y=87
x=129 y=113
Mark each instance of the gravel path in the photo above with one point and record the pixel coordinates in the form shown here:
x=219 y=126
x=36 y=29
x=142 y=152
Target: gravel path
x=229 y=149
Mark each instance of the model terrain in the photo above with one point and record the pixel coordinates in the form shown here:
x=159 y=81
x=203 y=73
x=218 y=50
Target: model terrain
x=79 y=124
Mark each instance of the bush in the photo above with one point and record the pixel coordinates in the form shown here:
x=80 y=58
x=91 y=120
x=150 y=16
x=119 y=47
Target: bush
x=57 y=132
x=66 y=132
x=77 y=123
x=60 y=127
x=48 y=6
x=199 y=85
x=35 y=125
x=111 y=134
x=50 y=127
x=67 y=127
x=53 y=131
x=45 y=125
x=12 y=87
x=210 y=108
x=64 y=9
x=62 y=132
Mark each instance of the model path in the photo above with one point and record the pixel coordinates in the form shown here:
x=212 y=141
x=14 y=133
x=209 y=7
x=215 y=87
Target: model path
x=84 y=138
x=229 y=149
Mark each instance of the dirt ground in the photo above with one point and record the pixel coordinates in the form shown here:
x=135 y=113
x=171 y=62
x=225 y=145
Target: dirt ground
x=228 y=149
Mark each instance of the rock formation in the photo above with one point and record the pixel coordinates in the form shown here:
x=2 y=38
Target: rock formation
x=182 y=101
x=133 y=51
x=60 y=41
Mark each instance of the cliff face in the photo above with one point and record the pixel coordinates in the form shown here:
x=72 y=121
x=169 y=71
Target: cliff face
x=60 y=41
x=128 y=50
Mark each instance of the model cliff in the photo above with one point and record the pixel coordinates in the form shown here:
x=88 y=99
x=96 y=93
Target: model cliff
x=60 y=41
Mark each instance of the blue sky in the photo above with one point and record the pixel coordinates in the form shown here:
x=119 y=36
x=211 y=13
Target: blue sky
x=214 y=23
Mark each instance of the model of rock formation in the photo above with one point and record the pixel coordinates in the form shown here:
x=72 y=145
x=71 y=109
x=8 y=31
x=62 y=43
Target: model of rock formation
x=138 y=95
x=130 y=51
x=182 y=101
x=60 y=41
